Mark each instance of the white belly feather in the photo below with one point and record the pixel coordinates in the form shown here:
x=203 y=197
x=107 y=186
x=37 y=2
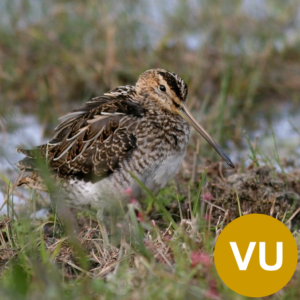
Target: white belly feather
x=160 y=174
x=103 y=194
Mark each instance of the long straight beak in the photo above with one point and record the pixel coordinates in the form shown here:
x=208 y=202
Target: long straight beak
x=190 y=119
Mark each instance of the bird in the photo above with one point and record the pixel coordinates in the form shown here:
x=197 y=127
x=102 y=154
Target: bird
x=98 y=150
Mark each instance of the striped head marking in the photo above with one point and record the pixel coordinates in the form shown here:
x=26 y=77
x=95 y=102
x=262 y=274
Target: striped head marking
x=169 y=92
x=166 y=88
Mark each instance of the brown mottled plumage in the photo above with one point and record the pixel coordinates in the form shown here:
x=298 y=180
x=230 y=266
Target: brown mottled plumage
x=142 y=130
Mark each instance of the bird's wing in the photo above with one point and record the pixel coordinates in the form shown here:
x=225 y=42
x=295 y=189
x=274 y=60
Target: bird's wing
x=92 y=140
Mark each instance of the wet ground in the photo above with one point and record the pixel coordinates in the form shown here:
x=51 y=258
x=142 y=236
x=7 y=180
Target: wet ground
x=227 y=194
x=281 y=118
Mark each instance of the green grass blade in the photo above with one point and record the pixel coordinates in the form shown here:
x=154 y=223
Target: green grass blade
x=197 y=201
x=160 y=205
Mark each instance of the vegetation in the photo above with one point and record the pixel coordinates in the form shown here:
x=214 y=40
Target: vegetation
x=237 y=58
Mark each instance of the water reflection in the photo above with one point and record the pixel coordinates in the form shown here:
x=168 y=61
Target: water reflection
x=26 y=132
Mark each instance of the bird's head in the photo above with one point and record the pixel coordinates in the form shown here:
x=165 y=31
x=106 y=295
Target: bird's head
x=169 y=91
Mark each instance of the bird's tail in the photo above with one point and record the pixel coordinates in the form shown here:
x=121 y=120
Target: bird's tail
x=29 y=167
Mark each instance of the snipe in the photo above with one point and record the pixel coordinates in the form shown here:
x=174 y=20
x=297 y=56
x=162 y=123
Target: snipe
x=142 y=130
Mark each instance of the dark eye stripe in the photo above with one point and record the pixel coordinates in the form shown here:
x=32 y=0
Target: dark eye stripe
x=176 y=104
x=172 y=83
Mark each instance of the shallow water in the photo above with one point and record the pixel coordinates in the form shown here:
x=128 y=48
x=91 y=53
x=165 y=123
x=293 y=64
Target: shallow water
x=281 y=118
x=28 y=132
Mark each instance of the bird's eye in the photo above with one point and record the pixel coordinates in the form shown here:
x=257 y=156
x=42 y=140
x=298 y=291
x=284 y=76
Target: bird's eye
x=162 y=88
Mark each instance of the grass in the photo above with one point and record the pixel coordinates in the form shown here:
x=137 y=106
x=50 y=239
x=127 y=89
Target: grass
x=166 y=253
x=56 y=54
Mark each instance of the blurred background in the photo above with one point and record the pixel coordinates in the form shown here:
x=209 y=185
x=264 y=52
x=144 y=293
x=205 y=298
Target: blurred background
x=240 y=59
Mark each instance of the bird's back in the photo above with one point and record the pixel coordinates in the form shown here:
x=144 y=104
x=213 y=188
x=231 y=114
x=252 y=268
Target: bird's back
x=97 y=148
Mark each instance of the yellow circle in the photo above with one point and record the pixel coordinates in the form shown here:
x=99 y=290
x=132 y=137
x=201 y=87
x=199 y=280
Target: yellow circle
x=247 y=255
